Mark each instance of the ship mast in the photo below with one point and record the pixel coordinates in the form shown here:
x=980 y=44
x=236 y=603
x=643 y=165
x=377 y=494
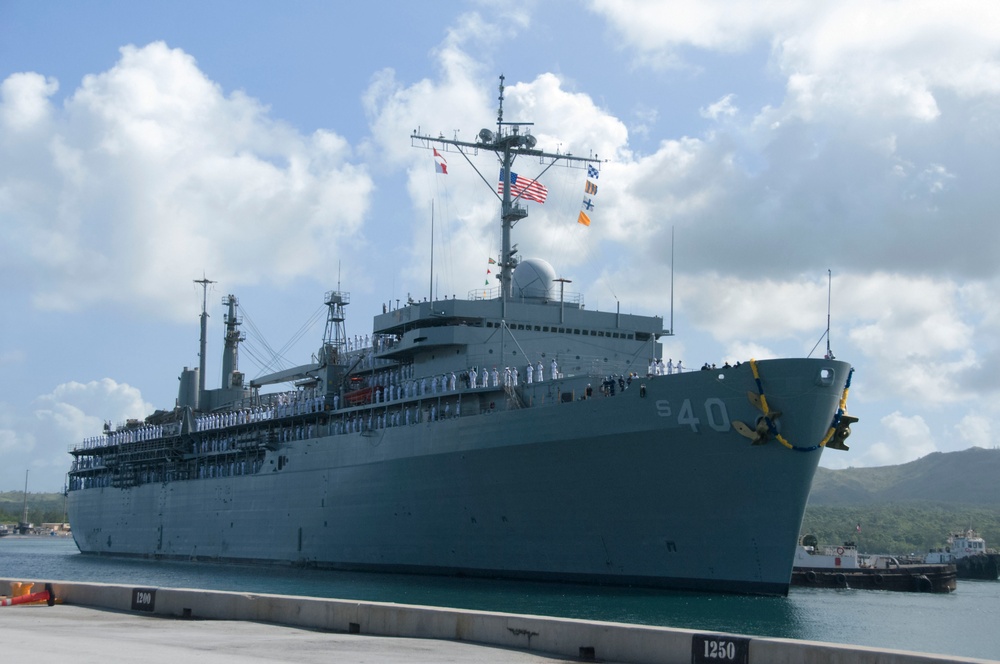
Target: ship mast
x=230 y=353
x=507 y=143
x=23 y=526
x=204 y=332
x=334 y=337
x=829 y=290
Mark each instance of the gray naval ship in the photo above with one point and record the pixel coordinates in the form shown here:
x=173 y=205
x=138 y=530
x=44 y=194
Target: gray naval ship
x=511 y=434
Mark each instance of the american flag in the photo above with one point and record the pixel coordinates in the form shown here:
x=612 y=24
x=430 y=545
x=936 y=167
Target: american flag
x=529 y=190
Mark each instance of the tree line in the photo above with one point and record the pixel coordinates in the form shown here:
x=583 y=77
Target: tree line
x=42 y=507
x=899 y=528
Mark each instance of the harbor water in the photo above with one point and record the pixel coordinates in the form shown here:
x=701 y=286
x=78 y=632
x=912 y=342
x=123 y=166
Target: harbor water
x=962 y=623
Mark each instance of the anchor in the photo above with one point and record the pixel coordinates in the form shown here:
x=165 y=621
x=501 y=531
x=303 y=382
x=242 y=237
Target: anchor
x=761 y=433
x=841 y=433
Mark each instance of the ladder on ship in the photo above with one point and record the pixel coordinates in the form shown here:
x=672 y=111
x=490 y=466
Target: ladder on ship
x=513 y=397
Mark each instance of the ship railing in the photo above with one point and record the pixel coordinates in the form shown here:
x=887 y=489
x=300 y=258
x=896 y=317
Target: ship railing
x=575 y=299
x=385 y=342
x=484 y=294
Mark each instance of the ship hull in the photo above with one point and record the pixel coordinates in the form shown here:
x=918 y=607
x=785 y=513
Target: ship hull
x=905 y=578
x=652 y=487
x=985 y=566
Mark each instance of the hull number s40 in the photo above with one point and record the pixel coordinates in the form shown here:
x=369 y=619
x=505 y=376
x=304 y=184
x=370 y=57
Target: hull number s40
x=713 y=410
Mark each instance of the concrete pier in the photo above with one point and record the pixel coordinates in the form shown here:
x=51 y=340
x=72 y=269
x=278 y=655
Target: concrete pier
x=95 y=622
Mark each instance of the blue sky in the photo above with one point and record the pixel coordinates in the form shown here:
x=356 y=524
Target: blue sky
x=267 y=147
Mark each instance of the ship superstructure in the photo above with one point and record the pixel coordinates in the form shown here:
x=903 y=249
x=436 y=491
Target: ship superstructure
x=514 y=433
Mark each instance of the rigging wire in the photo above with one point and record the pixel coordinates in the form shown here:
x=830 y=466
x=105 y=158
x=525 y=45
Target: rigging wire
x=277 y=359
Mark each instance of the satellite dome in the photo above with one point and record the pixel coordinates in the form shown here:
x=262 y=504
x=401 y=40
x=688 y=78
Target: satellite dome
x=533 y=278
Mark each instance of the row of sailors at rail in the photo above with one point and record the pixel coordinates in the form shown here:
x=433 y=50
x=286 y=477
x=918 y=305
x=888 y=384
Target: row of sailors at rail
x=449 y=382
x=395 y=376
x=511 y=375
x=97 y=482
x=87 y=462
x=408 y=386
x=366 y=421
x=405 y=416
x=208 y=470
x=123 y=436
x=232 y=417
x=298 y=404
x=203 y=471
x=377 y=342
x=657 y=368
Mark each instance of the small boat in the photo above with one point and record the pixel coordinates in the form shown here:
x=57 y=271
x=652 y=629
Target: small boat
x=842 y=567
x=968 y=552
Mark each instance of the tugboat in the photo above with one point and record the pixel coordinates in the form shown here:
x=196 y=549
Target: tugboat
x=967 y=551
x=842 y=567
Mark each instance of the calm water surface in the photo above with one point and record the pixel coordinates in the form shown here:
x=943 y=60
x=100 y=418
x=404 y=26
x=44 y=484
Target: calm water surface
x=963 y=623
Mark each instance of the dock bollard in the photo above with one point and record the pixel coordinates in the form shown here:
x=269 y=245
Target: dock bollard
x=20 y=588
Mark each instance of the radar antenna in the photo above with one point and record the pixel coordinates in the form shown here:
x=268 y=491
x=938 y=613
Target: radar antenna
x=508 y=143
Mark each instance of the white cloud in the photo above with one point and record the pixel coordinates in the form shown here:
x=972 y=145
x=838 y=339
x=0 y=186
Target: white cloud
x=24 y=102
x=720 y=25
x=977 y=431
x=568 y=122
x=853 y=56
x=723 y=108
x=149 y=174
x=39 y=439
x=904 y=438
x=916 y=333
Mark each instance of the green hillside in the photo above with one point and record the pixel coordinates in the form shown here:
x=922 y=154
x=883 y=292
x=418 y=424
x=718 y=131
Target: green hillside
x=908 y=508
x=969 y=477
x=42 y=507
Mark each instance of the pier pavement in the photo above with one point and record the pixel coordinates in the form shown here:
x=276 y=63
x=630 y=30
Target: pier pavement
x=99 y=622
x=85 y=635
